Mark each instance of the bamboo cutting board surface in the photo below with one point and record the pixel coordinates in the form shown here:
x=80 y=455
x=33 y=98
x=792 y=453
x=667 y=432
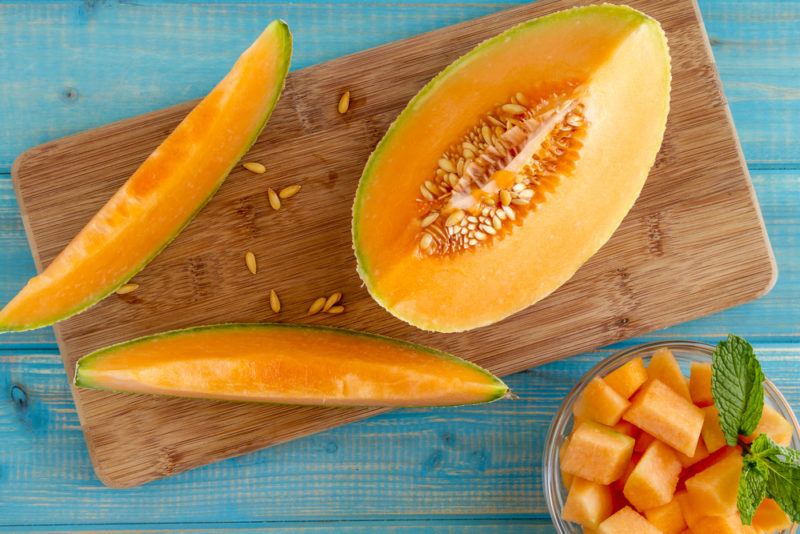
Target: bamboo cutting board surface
x=693 y=244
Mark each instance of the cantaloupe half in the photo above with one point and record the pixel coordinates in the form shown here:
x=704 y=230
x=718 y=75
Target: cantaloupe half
x=512 y=167
x=288 y=364
x=163 y=195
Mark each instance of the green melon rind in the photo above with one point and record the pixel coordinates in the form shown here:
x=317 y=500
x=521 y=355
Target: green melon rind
x=637 y=18
x=82 y=379
x=286 y=54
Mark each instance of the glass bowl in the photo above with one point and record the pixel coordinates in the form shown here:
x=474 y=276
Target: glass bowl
x=685 y=353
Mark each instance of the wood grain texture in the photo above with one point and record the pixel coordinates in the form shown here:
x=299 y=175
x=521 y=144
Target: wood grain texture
x=654 y=272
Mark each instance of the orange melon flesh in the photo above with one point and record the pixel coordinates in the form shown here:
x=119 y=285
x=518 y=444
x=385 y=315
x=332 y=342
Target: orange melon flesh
x=664 y=367
x=667 y=518
x=769 y=517
x=627 y=521
x=667 y=416
x=162 y=196
x=712 y=433
x=716 y=524
x=597 y=453
x=599 y=402
x=713 y=490
x=700 y=454
x=700 y=384
x=288 y=364
x=773 y=425
x=587 y=503
x=652 y=482
x=619 y=58
x=627 y=378
x=690 y=514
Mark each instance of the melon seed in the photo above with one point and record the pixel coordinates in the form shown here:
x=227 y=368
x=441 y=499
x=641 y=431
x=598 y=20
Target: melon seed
x=274 y=301
x=336 y=309
x=250 y=261
x=274 y=201
x=127 y=288
x=333 y=299
x=344 y=103
x=289 y=191
x=255 y=167
x=316 y=306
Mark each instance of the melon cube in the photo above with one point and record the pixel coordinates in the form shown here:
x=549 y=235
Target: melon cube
x=700 y=454
x=624 y=427
x=627 y=378
x=690 y=514
x=773 y=425
x=599 y=402
x=718 y=524
x=769 y=517
x=566 y=478
x=619 y=484
x=713 y=490
x=664 y=367
x=712 y=434
x=597 y=453
x=652 y=482
x=627 y=521
x=700 y=384
x=661 y=412
x=667 y=518
x=587 y=503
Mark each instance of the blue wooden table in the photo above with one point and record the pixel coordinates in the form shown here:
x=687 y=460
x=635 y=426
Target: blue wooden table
x=67 y=65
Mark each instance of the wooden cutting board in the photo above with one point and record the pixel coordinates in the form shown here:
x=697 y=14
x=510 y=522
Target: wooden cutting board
x=693 y=244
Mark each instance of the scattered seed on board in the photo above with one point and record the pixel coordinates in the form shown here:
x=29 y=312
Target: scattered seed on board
x=274 y=301
x=336 y=309
x=127 y=288
x=250 y=261
x=333 y=299
x=274 y=201
x=255 y=167
x=289 y=191
x=344 y=102
x=317 y=306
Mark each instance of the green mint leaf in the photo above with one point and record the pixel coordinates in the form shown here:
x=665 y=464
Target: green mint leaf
x=783 y=473
x=736 y=379
x=752 y=487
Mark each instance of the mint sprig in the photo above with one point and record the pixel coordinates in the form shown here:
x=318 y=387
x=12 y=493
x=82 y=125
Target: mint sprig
x=736 y=386
x=768 y=470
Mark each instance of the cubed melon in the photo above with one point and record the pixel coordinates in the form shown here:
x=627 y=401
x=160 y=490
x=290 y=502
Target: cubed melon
x=597 y=453
x=652 y=482
x=714 y=489
x=566 y=478
x=624 y=427
x=664 y=367
x=627 y=378
x=773 y=425
x=587 y=503
x=619 y=484
x=690 y=514
x=667 y=518
x=700 y=384
x=627 y=521
x=700 y=453
x=666 y=415
x=712 y=433
x=600 y=402
x=643 y=441
x=718 y=524
x=769 y=517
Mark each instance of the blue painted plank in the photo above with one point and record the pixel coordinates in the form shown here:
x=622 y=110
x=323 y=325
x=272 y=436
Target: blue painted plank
x=461 y=463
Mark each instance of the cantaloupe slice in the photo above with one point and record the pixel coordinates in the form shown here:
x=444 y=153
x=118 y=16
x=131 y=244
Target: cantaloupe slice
x=700 y=454
x=713 y=490
x=717 y=524
x=667 y=518
x=627 y=521
x=624 y=427
x=627 y=378
x=566 y=478
x=597 y=453
x=666 y=415
x=288 y=364
x=769 y=517
x=587 y=503
x=652 y=482
x=600 y=402
x=572 y=107
x=713 y=437
x=663 y=366
x=690 y=514
x=773 y=425
x=700 y=384
x=163 y=195
x=619 y=484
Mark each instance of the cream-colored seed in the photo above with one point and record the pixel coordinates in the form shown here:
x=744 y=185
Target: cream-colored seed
x=274 y=301
x=127 y=288
x=501 y=215
x=518 y=187
x=510 y=213
x=344 y=102
x=332 y=300
x=526 y=194
x=289 y=191
x=514 y=109
x=430 y=219
x=497 y=223
x=336 y=309
x=426 y=241
x=505 y=197
x=250 y=261
x=425 y=193
x=522 y=99
x=255 y=167
x=274 y=201
x=317 y=306
x=520 y=201
x=454 y=218
x=446 y=165
x=480 y=236
x=430 y=186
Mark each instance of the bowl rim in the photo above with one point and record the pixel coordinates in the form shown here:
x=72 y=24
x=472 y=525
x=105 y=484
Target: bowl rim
x=551 y=476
